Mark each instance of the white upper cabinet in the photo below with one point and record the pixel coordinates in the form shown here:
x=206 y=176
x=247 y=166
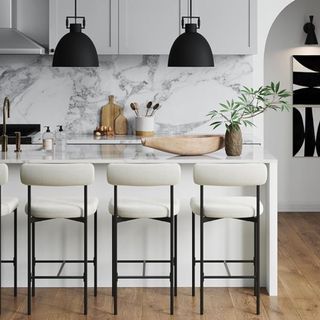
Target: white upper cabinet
x=5 y=17
x=148 y=26
x=229 y=25
x=151 y=26
x=101 y=22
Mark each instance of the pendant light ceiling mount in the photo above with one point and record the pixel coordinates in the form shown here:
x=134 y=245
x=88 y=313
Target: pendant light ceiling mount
x=190 y=49
x=75 y=49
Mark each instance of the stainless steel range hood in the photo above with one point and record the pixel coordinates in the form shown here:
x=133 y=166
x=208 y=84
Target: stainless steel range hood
x=13 y=41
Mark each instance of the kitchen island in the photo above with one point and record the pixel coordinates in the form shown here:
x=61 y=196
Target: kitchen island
x=227 y=239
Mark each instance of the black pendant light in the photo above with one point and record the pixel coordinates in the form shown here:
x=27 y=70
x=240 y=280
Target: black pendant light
x=75 y=49
x=309 y=29
x=191 y=49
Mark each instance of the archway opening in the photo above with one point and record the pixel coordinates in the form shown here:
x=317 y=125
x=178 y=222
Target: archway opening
x=286 y=39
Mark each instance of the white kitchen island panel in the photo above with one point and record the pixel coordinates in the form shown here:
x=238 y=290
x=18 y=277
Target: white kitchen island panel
x=141 y=239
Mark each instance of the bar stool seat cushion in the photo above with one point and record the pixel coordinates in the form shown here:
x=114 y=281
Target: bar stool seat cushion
x=8 y=205
x=144 y=208
x=52 y=208
x=227 y=207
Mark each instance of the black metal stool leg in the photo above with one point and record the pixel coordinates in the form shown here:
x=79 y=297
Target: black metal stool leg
x=255 y=257
x=115 y=254
x=33 y=259
x=116 y=269
x=201 y=252
x=95 y=254
x=112 y=264
x=0 y=254
x=175 y=255
x=258 y=250
x=171 y=251
x=258 y=267
x=29 y=251
x=15 y=255
x=193 y=256
x=85 y=245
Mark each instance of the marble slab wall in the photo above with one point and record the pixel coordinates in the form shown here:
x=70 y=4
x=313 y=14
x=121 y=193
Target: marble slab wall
x=73 y=96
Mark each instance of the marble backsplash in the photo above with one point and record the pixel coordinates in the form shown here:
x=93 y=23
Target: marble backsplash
x=73 y=96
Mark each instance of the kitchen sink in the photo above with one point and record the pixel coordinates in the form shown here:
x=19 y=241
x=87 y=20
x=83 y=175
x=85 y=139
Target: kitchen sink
x=28 y=132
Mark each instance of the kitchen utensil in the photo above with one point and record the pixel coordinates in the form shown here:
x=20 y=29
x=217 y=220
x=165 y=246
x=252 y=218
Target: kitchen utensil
x=149 y=105
x=109 y=113
x=155 y=108
x=121 y=124
x=137 y=108
x=188 y=145
x=133 y=107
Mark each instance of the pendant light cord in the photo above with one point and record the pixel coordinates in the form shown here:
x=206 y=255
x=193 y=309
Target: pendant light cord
x=75 y=10
x=190 y=11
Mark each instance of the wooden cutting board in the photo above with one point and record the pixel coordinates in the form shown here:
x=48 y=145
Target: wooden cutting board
x=109 y=113
x=121 y=124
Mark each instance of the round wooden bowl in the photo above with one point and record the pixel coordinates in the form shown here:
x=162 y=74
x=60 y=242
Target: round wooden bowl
x=188 y=145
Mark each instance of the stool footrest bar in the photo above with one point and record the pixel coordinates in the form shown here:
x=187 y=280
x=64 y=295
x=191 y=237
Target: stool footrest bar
x=226 y=261
x=143 y=277
x=61 y=268
x=57 y=277
x=62 y=261
x=143 y=261
x=228 y=277
x=7 y=261
x=227 y=268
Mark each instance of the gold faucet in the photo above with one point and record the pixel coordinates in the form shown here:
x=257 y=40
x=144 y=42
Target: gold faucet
x=6 y=113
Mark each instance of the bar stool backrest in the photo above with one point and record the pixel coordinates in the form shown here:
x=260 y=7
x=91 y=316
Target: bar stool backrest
x=3 y=174
x=57 y=174
x=247 y=174
x=144 y=175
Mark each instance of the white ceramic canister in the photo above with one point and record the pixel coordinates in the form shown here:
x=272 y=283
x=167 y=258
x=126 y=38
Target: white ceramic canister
x=144 y=126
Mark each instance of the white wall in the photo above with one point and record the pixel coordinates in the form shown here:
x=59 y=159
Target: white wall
x=298 y=177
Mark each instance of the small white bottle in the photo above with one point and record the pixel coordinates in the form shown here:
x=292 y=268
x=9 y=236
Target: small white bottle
x=47 y=140
x=60 y=139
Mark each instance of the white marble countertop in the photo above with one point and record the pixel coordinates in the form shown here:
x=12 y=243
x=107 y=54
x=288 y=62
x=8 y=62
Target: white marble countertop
x=90 y=139
x=127 y=153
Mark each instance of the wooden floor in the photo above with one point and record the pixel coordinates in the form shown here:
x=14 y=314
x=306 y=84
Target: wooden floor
x=299 y=290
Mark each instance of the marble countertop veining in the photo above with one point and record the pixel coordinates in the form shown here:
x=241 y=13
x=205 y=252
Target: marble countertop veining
x=127 y=153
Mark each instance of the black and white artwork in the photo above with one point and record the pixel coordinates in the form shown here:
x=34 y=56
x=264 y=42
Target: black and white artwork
x=306 y=132
x=306 y=80
x=306 y=99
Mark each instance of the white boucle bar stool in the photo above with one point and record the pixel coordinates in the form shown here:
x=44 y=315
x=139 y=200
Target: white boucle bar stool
x=126 y=209
x=42 y=209
x=241 y=208
x=8 y=205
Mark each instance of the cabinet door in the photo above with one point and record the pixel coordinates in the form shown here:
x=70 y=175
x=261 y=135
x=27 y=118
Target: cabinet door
x=228 y=25
x=148 y=26
x=5 y=14
x=101 y=22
